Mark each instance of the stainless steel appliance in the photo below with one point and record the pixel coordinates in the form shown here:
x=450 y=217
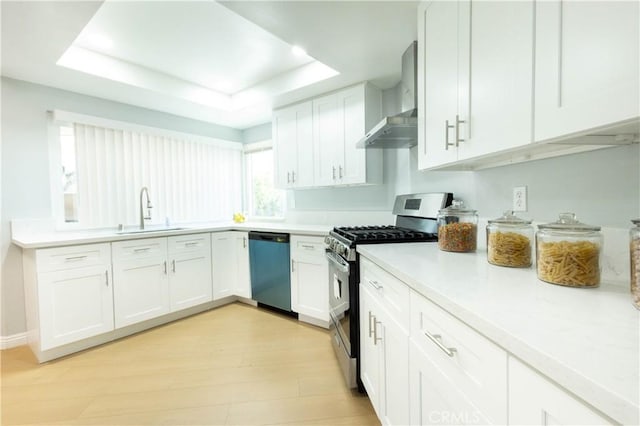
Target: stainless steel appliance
x=269 y=256
x=401 y=130
x=415 y=222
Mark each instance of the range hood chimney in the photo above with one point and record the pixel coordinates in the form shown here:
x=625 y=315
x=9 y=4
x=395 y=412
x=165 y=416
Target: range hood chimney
x=401 y=130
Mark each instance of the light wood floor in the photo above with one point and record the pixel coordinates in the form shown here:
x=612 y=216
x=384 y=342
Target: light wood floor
x=233 y=365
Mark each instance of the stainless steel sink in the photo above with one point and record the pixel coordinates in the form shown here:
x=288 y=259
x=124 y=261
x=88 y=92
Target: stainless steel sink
x=149 y=230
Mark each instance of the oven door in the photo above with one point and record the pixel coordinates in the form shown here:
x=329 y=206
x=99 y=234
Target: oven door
x=339 y=301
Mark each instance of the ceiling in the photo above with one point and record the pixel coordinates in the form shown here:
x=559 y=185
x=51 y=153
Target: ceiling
x=226 y=62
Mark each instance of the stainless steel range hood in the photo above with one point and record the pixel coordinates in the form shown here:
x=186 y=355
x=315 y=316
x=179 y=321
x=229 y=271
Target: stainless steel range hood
x=401 y=130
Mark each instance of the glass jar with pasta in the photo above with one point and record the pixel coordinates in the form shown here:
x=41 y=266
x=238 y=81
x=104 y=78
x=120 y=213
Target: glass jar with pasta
x=568 y=252
x=509 y=241
x=634 y=251
x=457 y=228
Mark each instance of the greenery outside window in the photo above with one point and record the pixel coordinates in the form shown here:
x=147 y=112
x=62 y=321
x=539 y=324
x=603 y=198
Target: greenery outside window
x=263 y=200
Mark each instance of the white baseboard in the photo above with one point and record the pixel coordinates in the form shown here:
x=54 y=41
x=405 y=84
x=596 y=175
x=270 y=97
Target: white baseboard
x=7 y=342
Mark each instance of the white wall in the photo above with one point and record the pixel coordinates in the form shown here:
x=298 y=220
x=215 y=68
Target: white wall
x=25 y=167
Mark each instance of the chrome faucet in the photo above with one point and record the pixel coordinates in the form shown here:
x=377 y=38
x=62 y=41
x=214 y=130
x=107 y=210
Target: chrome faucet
x=149 y=207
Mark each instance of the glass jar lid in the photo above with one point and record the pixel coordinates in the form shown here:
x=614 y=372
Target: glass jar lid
x=457 y=207
x=569 y=222
x=636 y=222
x=509 y=218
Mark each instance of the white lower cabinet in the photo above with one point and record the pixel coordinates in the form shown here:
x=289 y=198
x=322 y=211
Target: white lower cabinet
x=230 y=259
x=190 y=278
x=309 y=278
x=384 y=345
x=535 y=400
x=69 y=293
x=141 y=281
x=457 y=376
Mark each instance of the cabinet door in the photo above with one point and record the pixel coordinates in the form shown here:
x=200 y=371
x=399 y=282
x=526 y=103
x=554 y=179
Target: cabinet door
x=223 y=255
x=500 y=78
x=587 y=65
x=434 y=399
x=74 y=304
x=326 y=134
x=437 y=82
x=190 y=278
x=534 y=400
x=394 y=396
x=243 y=273
x=140 y=276
x=369 y=352
x=284 y=141
x=309 y=278
x=351 y=161
x=304 y=174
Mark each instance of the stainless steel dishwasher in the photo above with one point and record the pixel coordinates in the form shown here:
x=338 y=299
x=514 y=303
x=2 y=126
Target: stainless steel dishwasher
x=269 y=257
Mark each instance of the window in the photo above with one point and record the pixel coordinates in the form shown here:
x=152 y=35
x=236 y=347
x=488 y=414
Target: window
x=105 y=165
x=263 y=199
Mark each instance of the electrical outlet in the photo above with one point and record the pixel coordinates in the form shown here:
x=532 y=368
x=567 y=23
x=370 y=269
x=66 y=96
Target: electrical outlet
x=520 y=199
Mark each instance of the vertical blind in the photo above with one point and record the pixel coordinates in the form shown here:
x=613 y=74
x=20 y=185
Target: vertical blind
x=188 y=180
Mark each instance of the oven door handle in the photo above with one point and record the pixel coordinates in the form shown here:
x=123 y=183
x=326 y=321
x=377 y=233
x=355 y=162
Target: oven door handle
x=338 y=262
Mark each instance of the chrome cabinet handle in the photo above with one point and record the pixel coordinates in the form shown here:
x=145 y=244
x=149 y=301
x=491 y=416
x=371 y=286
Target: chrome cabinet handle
x=435 y=338
x=288 y=177
x=293 y=268
x=376 y=339
x=370 y=328
x=74 y=258
x=138 y=250
x=293 y=177
x=447 y=126
x=173 y=266
x=106 y=278
x=375 y=284
x=244 y=242
x=165 y=267
x=340 y=172
x=307 y=246
x=458 y=122
x=191 y=243
x=334 y=172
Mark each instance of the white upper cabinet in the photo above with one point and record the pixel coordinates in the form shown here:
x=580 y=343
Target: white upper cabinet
x=315 y=141
x=340 y=120
x=475 y=67
x=293 y=142
x=587 y=65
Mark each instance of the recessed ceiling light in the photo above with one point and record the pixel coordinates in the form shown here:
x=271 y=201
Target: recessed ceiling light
x=100 y=41
x=298 y=51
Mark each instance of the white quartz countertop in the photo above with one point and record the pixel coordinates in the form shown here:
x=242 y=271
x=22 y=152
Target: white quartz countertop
x=586 y=340
x=28 y=239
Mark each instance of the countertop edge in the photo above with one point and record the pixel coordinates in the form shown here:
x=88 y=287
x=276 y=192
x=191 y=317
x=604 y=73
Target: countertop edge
x=61 y=239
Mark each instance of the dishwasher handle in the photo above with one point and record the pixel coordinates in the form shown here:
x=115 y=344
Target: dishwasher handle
x=271 y=237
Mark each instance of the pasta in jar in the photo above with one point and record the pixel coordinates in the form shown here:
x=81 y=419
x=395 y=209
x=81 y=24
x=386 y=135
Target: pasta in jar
x=568 y=252
x=509 y=241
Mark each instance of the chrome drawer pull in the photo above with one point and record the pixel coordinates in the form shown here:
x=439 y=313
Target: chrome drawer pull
x=138 y=250
x=191 y=243
x=375 y=284
x=435 y=338
x=307 y=246
x=74 y=258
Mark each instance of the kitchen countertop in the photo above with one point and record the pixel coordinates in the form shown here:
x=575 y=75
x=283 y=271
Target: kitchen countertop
x=39 y=239
x=586 y=340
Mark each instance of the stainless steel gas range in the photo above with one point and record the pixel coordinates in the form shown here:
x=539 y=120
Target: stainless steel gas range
x=415 y=222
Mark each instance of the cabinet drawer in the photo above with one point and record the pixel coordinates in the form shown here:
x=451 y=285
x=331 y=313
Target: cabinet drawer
x=139 y=249
x=189 y=243
x=73 y=257
x=306 y=245
x=392 y=293
x=476 y=365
